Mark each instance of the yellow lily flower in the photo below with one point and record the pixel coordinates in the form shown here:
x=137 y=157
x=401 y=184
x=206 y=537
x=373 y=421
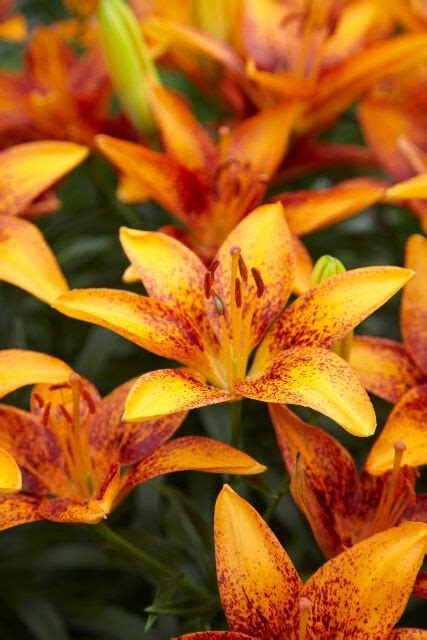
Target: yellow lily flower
x=360 y=594
x=78 y=459
x=27 y=173
x=388 y=368
x=212 y=319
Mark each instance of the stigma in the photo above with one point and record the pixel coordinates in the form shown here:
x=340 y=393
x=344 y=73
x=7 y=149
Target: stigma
x=235 y=319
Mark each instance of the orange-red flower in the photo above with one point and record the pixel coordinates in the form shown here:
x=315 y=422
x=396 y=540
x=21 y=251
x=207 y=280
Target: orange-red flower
x=77 y=458
x=212 y=319
x=388 y=368
x=360 y=594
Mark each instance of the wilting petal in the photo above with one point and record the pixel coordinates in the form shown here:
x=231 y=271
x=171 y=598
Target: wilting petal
x=384 y=367
x=414 y=302
x=26 y=260
x=328 y=312
x=150 y=323
x=17 y=509
x=315 y=378
x=27 y=170
x=408 y=634
x=266 y=244
x=111 y=440
x=193 y=453
x=257 y=581
x=64 y=510
x=309 y=210
x=184 y=137
x=330 y=476
x=159 y=393
x=19 y=368
x=215 y=635
x=10 y=474
x=363 y=591
x=171 y=184
x=303 y=266
x=170 y=272
x=407 y=423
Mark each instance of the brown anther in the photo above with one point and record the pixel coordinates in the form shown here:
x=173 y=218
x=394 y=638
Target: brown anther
x=214 y=266
x=399 y=445
x=243 y=269
x=89 y=400
x=65 y=413
x=235 y=249
x=260 y=287
x=219 y=305
x=56 y=387
x=46 y=413
x=38 y=399
x=238 y=293
x=208 y=284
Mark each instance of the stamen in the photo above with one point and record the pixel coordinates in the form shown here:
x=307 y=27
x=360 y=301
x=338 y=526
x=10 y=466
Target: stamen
x=38 y=399
x=305 y=606
x=243 y=269
x=208 y=284
x=65 y=413
x=258 y=282
x=214 y=266
x=238 y=293
x=46 y=413
x=81 y=456
x=89 y=401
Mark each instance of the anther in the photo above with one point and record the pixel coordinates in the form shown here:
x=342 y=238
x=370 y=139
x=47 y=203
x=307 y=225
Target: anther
x=304 y=611
x=46 y=413
x=219 y=305
x=214 y=266
x=65 y=413
x=238 y=293
x=258 y=281
x=243 y=269
x=208 y=284
x=89 y=400
x=38 y=399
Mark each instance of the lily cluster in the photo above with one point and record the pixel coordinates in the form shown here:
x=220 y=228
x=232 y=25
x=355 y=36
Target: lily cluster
x=229 y=295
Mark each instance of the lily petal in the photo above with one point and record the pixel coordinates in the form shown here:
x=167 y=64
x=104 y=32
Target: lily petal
x=27 y=170
x=303 y=266
x=26 y=260
x=19 y=368
x=65 y=510
x=308 y=211
x=266 y=244
x=415 y=187
x=170 y=272
x=258 y=584
x=362 y=592
x=215 y=635
x=315 y=378
x=407 y=423
x=169 y=183
x=414 y=302
x=194 y=453
x=10 y=474
x=150 y=323
x=328 y=312
x=166 y=391
x=384 y=367
x=330 y=476
x=17 y=509
x=408 y=634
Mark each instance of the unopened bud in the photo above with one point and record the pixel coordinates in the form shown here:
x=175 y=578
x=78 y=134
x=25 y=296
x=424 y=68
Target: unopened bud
x=325 y=268
x=128 y=60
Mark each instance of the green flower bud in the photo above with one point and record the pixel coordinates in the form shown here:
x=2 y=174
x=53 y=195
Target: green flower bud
x=128 y=60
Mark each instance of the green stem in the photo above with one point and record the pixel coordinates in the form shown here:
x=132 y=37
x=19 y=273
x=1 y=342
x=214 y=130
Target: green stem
x=283 y=489
x=124 y=211
x=236 y=424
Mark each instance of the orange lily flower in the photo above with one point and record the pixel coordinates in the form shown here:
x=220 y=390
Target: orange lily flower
x=72 y=446
x=209 y=187
x=360 y=594
x=212 y=319
x=27 y=173
x=13 y=26
x=342 y=506
x=388 y=368
x=58 y=95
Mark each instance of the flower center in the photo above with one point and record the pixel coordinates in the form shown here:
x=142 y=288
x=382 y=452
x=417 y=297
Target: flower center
x=236 y=324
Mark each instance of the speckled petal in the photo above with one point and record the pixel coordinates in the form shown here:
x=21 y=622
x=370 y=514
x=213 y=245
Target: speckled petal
x=19 y=368
x=194 y=453
x=329 y=311
x=152 y=324
x=414 y=302
x=384 y=367
x=215 y=635
x=64 y=510
x=166 y=391
x=26 y=261
x=315 y=378
x=362 y=592
x=258 y=584
x=16 y=509
x=27 y=170
x=408 y=634
x=303 y=266
x=407 y=422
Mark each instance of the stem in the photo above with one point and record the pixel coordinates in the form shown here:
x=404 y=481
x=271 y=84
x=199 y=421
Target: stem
x=236 y=423
x=283 y=489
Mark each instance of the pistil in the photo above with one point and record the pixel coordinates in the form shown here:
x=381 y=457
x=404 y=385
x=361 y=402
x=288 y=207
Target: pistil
x=305 y=606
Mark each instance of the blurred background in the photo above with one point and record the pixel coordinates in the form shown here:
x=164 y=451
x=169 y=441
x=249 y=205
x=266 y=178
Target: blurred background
x=65 y=582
